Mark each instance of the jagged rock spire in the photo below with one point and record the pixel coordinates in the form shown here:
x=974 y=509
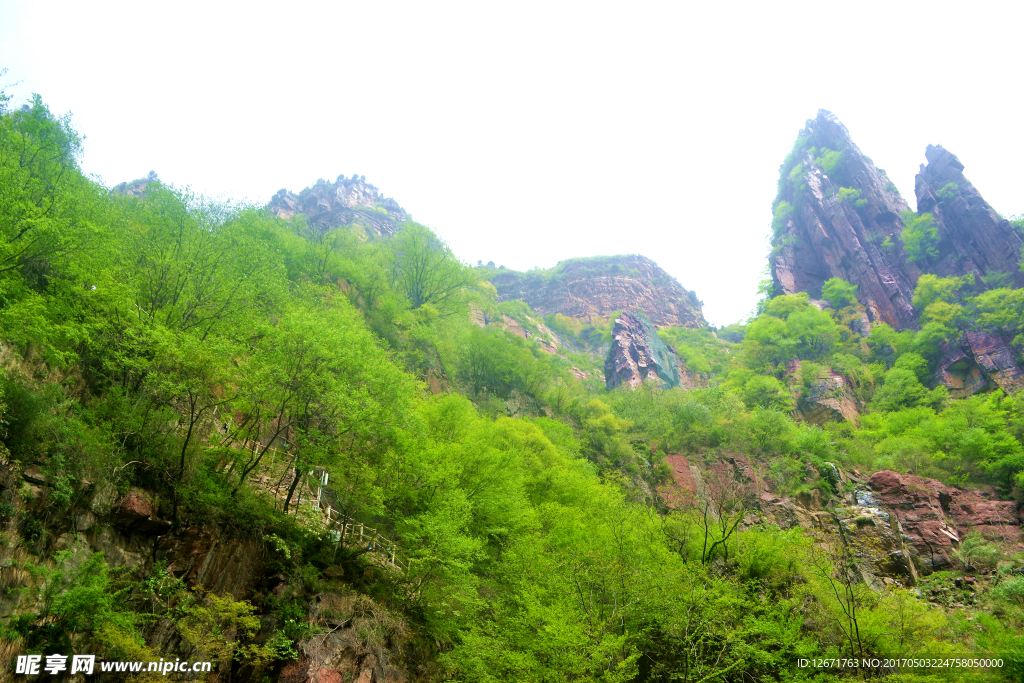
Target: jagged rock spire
x=973 y=238
x=838 y=215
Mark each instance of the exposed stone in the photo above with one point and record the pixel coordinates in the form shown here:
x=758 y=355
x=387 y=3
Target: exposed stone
x=34 y=475
x=218 y=564
x=682 y=489
x=139 y=187
x=996 y=358
x=477 y=317
x=637 y=355
x=512 y=325
x=973 y=238
x=133 y=508
x=588 y=288
x=827 y=236
x=957 y=370
x=547 y=339
x=346 y=201
x=135 y=513
x=829 y=399
x=343 y=653
x=934 y=518
x=688 y=380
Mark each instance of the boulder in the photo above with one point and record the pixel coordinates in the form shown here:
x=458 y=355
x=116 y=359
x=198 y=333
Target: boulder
x=134 y=513
x=997 y=359
x=637 y=355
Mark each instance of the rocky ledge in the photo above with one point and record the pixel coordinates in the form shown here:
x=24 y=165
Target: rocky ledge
x=977 y=361
x=899 y=526
x=934 y=517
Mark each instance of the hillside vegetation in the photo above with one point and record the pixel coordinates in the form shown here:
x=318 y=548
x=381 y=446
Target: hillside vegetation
x=178 y=347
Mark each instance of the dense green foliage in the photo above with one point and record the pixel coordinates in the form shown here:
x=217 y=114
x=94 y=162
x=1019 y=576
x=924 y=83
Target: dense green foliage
x=920 y=236
x=839 y=292
x=196 y=351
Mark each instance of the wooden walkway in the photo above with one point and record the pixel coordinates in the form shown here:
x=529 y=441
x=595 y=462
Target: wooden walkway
x=273 y=477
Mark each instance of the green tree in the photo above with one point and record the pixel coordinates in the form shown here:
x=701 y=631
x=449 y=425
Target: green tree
x=427 y=271
x=839 y=292
x=902 y=389
x=920 y=236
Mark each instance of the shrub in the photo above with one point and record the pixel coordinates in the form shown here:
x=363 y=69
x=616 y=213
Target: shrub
x=1011 y=590
x=829 y=161
x=839 y=292
x=948 y=191
x=920 y=236
x=901 y=389
x=780 y=215
x=848 y=194
x=975 y=551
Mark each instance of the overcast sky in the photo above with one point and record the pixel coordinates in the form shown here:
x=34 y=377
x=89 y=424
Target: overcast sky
x=526 y=133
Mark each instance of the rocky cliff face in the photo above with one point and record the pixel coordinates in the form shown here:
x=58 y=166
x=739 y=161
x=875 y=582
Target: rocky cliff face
x=637 y=355
x=594 y=287
x=830 y=398
x=346 y=201
x=836 y=216
x=359 y=640
x=973 y=239
x=899 y=526
x=933 y=517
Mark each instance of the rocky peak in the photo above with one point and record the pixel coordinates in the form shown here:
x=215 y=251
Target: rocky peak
x=136 y=188
x=973 y=238
x=595 y=287
x=328 y=205
x=838 y=215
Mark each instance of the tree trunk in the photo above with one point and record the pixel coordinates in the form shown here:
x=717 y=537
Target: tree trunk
x=291 y=491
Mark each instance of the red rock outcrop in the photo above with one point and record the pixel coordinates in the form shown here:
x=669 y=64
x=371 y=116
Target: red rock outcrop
x=838 y=224
x=638 y=355
x=343 y=653
x=934 y=517
x=595 y=287
x=135 y=513
x=973 y=238
x=996 y=358
x=958 y=370
x=829 y=398
x=346 y=201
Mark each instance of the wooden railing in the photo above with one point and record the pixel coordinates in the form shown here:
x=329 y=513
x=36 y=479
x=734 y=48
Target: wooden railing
x=342 y=532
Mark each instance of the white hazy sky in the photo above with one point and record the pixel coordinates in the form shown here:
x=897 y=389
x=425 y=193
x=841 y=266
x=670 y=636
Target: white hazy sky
x=524 y=132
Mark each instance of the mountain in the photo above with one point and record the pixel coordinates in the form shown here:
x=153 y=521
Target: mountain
x=585 y=288
x=972 y=238
x=309 y=444
x=836 y=215
x=346 y=201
